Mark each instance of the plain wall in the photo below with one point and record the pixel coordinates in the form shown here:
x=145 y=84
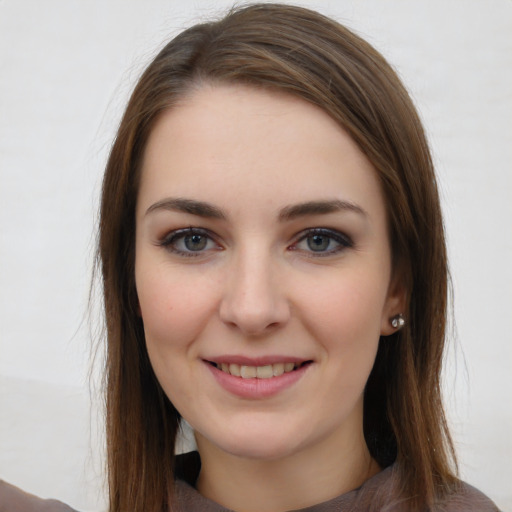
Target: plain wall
x=66 y=69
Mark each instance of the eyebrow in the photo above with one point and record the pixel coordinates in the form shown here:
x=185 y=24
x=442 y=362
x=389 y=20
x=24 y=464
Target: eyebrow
x=319 y=208
x=199 y=208
x=208 y=210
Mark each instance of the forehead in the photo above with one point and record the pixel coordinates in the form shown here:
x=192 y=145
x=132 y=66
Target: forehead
x=232 y=144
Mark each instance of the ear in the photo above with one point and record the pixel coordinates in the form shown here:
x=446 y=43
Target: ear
x=396 y=301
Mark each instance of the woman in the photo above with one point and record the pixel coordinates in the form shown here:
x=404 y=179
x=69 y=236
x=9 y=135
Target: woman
x=274 y=268
x=214 y=198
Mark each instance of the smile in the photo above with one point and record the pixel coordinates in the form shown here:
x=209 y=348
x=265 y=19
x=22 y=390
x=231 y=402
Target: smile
x=258 y=372
x=263 y=378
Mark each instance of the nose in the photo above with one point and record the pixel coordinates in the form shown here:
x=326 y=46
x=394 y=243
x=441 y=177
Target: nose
x=253 y=300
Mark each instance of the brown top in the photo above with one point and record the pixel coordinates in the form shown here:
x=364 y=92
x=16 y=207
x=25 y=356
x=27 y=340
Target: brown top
x=13 y=499
x=375 y=494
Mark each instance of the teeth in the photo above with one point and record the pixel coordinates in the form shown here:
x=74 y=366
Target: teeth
x=264 y=372
x=288 y=367
x=248 y=372
x=234 y=369
x=261 y=372
x=278 y=369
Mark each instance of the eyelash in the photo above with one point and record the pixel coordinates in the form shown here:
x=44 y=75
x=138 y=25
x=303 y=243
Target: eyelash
x=170 y=241
x=343 y=241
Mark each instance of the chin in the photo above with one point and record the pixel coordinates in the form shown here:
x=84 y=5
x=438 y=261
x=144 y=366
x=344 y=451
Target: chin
x=260 y=449
x=256 y=441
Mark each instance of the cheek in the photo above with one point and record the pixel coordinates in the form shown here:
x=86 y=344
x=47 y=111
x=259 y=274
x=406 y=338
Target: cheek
x=174 y=307
x=346 y=309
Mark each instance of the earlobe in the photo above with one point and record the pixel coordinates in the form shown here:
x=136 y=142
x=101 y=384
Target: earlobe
x=393 y=318
x=392 y=324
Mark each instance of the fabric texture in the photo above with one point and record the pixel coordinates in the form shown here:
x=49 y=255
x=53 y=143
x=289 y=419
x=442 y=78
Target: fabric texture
x=379 y=488
x=13 y=499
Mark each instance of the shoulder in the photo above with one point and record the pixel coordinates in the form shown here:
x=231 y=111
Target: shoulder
x=13 y=499
x=467 y=498
x=382 y=493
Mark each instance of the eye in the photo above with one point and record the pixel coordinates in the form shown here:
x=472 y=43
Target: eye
x=189 y=242
x=322 y=242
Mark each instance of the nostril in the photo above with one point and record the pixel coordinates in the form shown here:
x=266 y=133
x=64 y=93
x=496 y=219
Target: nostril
x=252 y=303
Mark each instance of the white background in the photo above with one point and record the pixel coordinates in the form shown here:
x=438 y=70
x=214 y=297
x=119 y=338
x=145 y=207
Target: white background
x=66 y=68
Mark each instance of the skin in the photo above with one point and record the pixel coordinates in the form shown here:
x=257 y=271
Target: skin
x=258 y=289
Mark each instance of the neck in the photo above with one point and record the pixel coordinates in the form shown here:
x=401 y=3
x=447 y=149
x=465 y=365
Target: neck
x=305 y=478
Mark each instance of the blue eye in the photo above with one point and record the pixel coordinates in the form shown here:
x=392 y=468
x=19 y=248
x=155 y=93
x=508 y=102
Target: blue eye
x=189 y=242
x=319 y=243
x=322 y=242
x=195 y=242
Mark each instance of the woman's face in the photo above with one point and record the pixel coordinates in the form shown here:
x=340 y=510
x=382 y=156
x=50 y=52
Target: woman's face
x=262 y=269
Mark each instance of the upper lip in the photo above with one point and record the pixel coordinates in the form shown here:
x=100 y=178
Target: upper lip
x=255 y=361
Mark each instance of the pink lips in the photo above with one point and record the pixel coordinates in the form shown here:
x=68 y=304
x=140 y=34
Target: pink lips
x=256 y=388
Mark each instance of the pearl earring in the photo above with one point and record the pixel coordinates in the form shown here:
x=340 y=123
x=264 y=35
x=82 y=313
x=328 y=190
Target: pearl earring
x=398 y=321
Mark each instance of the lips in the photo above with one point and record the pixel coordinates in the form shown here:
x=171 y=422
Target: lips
x=258 y=378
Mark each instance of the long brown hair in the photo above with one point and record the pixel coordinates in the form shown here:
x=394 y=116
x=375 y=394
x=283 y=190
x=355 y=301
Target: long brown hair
x=303 y=53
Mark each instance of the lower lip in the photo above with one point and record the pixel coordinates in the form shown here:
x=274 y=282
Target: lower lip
x=257 y=388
